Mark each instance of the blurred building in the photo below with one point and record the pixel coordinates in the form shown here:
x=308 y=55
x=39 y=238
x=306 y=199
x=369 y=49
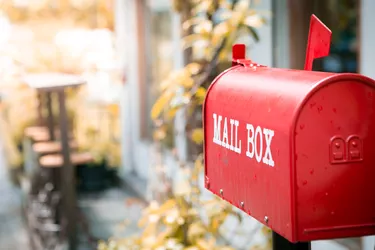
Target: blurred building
x=148 y=33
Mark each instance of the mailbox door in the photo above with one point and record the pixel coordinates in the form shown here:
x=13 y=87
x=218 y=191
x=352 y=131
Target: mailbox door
x=335 y=161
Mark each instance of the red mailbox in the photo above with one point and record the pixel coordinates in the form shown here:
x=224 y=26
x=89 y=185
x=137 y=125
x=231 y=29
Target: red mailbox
x=295 y=149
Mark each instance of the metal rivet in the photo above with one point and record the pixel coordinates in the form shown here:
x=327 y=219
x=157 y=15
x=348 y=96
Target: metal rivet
x=337 y=145
x=242 y=204
x=266 y=219
x=354 y=144
x=207 y=182
x=221 y=191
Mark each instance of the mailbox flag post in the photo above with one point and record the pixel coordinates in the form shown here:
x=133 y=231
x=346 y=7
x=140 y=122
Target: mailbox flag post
x=280 y=243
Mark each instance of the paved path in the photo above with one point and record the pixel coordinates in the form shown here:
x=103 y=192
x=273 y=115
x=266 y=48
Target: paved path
x=105 y=211
x=13 y=234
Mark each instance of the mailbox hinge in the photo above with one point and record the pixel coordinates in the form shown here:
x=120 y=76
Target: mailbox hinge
x=239 y=57
x=249 y=64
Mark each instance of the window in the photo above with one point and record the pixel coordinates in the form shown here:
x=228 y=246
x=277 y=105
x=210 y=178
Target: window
x=341 y=17
x=156 y=44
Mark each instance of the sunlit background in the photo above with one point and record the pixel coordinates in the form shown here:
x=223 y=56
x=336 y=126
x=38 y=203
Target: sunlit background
x=128 y=52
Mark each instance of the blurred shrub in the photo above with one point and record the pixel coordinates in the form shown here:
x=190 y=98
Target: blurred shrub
x=185 y=219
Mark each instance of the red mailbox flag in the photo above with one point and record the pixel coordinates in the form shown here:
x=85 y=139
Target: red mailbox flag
x=318 y=43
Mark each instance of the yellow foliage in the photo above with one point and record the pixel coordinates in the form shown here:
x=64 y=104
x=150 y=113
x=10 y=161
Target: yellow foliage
x=255 y=21
x=114 y=109
x=202 y=6
x=196 y=230
x=204 y=27
x=78 y=10
x=199 y=40
x=220 y=31
x=159 y=134
x=160 y=104
x=197 y=136
x=171 y=113
x=200 y=95
x=178 y=220
x=193 y=68
x=192 y=21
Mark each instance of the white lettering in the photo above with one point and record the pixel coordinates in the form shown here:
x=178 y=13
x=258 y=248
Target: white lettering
x=258 y=133
x=267 y=159
x=217 y=125
x=228 y=138
x=231 y=134
x=225 y=135
x=250 y=140
x=237 y=148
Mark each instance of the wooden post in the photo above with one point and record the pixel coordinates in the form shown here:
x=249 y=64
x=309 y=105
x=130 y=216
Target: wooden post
x=50 y=118
x=68 y=184
x=41 y=120
x=280 y=243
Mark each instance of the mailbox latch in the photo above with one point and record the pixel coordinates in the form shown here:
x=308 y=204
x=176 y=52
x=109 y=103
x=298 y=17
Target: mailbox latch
x=346 y=151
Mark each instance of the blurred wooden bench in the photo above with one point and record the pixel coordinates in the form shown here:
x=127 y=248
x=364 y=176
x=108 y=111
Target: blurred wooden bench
x=57 y=160
x=60 y=160
x=41 y=134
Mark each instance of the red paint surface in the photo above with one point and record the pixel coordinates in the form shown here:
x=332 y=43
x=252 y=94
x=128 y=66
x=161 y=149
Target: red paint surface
x=318 y=42
x=306 y=196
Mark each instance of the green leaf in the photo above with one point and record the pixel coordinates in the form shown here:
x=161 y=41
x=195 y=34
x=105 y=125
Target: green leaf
x=253 y=32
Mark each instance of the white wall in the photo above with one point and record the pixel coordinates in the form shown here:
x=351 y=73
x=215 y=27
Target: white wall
x=367 y=64
x=280 y=28
x=125 y=28
x=367 y=40
x=137 y=153
x=261 y=52
x=368 y=243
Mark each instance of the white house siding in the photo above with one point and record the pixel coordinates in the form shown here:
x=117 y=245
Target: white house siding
x=137 y=153
x=367 y=39
x=125 y=28
x=262 y=52
x=367 y=64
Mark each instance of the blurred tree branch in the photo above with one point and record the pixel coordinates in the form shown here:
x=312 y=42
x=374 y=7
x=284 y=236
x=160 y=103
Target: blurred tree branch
x=185 y=220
